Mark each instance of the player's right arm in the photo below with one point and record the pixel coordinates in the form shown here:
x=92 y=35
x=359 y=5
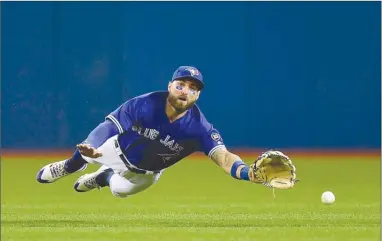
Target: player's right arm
x=124 y=116
x=117 y=122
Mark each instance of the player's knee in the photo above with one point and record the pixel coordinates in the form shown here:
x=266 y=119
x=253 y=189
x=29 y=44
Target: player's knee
x=122 y=191
x=119 y=186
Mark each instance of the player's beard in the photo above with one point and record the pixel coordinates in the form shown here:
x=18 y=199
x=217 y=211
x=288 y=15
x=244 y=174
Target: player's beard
x=179 y=105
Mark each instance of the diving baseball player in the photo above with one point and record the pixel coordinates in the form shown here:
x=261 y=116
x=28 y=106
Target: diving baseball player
x=151 y=132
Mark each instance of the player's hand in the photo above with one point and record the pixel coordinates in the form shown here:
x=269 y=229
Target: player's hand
x=88 y=151
x=274 y=169
x=252 y=176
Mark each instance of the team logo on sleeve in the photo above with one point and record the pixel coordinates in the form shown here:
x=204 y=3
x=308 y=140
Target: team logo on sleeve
x=215 y=136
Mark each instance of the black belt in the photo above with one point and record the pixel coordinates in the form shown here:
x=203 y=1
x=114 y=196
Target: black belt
x=128 y=165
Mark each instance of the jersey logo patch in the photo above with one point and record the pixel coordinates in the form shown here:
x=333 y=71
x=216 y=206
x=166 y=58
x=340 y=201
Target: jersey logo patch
x=215 y=136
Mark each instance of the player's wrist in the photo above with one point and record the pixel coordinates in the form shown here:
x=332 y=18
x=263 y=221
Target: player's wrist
x=243 y=170
x=244 y=173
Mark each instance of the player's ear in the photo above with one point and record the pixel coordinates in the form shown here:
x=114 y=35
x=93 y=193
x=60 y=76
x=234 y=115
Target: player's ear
x=169 y=86
x=197 y=95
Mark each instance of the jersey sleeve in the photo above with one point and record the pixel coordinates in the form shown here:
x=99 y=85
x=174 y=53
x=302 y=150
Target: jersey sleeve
x=124 y=116
x=210 y=139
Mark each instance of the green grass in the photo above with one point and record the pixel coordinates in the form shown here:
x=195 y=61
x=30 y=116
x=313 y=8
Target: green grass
x=195 y=200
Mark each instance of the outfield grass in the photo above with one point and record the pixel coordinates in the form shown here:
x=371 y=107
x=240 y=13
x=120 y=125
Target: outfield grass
x=195 y=200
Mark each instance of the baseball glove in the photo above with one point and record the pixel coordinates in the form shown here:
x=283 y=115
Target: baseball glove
x=274 y=169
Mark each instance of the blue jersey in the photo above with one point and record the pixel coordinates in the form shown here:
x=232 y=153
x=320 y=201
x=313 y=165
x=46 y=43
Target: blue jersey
x=151 y=142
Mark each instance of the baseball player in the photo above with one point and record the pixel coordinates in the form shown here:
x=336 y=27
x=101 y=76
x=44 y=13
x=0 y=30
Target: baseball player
x=151 y=132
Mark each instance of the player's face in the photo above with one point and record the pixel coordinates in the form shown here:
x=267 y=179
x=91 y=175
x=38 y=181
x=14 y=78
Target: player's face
x=183 y=94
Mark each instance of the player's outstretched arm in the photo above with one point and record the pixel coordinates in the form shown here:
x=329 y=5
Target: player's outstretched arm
x=233 y=165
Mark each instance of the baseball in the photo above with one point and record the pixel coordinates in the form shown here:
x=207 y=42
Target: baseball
x=328 y=198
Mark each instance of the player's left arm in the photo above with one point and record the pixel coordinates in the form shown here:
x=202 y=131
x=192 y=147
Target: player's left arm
x=273 y=168
x=232 y=164
x=212 y=144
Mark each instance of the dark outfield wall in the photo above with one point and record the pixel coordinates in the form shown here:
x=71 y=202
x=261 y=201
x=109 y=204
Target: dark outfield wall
x=277 y=74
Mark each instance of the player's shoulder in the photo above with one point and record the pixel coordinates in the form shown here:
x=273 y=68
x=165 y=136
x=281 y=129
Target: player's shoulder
x=147 y=99
x=153 y=95
x=200 y=121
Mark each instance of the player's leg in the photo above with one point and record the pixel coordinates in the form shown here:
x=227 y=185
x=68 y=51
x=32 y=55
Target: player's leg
x=100 y=178
x=97 y=179
x=132 y=184
x=120 y=186
x=54 y=171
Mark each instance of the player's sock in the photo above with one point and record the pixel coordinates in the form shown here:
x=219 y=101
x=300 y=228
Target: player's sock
x=103 y=179
x=75 y=163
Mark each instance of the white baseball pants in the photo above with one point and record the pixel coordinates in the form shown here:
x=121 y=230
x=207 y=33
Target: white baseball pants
x=123 y=182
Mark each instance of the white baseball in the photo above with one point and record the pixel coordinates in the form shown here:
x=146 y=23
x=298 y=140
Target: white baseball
x=328 y=198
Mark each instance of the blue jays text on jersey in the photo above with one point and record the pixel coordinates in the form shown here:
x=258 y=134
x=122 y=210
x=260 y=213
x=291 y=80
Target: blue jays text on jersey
x=151 y=142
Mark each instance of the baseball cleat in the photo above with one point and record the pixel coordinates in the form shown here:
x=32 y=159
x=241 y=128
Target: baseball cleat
x=87 y=182
x=53 y=172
